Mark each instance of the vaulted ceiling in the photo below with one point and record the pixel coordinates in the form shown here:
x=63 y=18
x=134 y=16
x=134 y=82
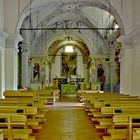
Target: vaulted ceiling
x=46 y=19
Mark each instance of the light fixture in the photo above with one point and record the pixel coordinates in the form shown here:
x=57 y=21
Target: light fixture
x=69 y=49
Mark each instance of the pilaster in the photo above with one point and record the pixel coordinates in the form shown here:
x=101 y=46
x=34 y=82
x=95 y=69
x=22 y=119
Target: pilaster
x=3 y=37
x=126 y=69
x=11 y=61
x=25 y=66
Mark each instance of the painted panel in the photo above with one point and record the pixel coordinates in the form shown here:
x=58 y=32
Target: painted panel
x=69 y=64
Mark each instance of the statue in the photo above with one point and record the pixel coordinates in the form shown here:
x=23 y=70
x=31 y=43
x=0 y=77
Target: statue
x=100 y=71
x=36 y=72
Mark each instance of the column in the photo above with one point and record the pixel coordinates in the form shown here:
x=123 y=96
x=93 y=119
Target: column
x=50 y=73
x=11 y=62
x=126 y=71
x=112 y=76
x=25 y=66
x=3 y=37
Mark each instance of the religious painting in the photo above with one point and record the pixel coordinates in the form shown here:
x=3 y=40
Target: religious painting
x=69 y=61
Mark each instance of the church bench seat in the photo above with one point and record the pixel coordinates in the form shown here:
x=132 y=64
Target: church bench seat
x=1 y=134
x=10 y=120
x=111 y=103
x=105 y=121
x=115 y=138
x=113 y=112
x=136 y=133
x=18 y=109
x=24 y=103
x=19 y=94
x=37 y=127
x=118 y=133
x=15 y=126
x=17 y=133
x=49 y=96
x=130 y=120
x=104 y=127
x=120 y=109
x=106 y=138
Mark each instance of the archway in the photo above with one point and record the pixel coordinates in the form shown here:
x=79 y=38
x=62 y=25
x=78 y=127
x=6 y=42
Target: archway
x=40 y=32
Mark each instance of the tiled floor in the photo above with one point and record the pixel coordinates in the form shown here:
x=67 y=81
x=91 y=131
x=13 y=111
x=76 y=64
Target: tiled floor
x=67 y=121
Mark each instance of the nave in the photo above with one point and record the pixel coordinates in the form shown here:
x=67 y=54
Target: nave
x=67 y=120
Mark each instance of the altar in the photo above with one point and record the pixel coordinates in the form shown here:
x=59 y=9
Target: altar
x=69 y=86
x=68 y=89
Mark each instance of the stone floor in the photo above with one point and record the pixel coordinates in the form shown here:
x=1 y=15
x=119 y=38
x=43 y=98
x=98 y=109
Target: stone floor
x=66 y=120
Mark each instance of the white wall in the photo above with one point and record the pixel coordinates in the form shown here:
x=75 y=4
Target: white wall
x=136 y=13
x=11 y=15
x=1 y=15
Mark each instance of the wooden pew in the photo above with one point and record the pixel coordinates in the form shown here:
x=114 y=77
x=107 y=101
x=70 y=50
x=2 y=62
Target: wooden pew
x=30 y=112
x=27 y=103
x=50 y=96
x=20 y=94
x=28 y=98
x=125 y=109
x=109 y=107
x=1 y=134
x=8 y=123
x=122 y=127
x=130 y=120
x=136 y=133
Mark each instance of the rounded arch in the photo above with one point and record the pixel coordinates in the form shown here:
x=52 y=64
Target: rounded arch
x=104 y=4
x=59 y=35
x=67 y=40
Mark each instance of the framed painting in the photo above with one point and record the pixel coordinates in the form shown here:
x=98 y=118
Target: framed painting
x=69 y=64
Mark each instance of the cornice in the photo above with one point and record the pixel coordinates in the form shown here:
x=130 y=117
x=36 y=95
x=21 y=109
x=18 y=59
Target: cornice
x=131 y=40
x=13 y=40
x=3 y=37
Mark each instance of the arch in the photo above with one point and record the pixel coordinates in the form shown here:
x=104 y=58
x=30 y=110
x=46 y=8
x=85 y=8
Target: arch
x=104 y=4
x=76 y=42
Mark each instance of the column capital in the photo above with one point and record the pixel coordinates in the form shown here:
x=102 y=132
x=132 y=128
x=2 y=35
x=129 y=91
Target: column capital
x=131 y=40
x=13 y=40
x=126 y=41
x=3 y=37
x=25 y=47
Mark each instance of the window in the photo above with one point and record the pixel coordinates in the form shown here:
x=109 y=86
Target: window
x=69 y=49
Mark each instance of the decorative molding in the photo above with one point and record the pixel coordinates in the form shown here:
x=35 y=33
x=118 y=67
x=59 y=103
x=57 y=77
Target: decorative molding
x=13 y=40
x=25 y=47
x=131 y=40
x=40 y=59
x=3 y=37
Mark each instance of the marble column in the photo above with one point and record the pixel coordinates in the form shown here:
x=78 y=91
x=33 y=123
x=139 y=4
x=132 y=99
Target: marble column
x=11 y=62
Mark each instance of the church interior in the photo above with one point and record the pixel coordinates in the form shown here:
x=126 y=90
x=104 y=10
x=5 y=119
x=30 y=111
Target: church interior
x=68 y=68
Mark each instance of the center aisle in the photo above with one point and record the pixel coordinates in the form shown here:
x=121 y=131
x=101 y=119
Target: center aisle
x=67 y=121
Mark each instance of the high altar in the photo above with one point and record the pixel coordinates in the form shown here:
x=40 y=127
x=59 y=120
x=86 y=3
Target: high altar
x=69 y=85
